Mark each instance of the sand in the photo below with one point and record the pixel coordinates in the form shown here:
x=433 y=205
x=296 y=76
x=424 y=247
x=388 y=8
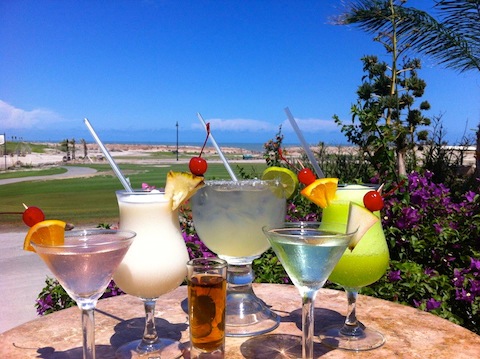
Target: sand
x=139 y=153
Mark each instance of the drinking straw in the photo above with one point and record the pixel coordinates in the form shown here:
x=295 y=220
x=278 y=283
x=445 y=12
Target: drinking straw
x=307 y=149
x=110 y=159
x=219 y=151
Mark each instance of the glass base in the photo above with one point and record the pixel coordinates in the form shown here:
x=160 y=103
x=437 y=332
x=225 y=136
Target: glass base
x=163 y=348
x=247 y=315
x=367 y=339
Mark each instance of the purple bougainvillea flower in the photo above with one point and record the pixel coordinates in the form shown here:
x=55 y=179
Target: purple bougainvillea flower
x=430 y=272
x=433 y=304
x=438 y=228
x=475 y=287
x=458 y=278
x=475 y=264
x=470 y=196
x=147 y=187
x=44 y=304
x=462 y=294
x=394 y=276
x=410 y=217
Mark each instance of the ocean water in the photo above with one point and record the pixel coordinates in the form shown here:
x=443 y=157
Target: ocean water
x=253 y=147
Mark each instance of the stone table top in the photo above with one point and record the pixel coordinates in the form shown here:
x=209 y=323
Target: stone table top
x=410 y=333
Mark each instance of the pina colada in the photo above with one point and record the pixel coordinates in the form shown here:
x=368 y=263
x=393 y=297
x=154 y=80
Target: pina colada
x=155 y=263
x=369 y=260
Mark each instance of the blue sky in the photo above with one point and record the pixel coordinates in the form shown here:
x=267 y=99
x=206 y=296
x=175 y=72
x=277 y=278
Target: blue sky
x=136 y=68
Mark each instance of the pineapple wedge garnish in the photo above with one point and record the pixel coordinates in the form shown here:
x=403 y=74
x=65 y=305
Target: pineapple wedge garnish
x=181 y=186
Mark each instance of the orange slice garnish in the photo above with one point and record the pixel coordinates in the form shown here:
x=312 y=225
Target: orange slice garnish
x=50 y=232
x=321 y=191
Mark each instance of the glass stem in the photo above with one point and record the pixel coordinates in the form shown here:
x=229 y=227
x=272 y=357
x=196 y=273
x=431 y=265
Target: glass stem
x=240 y=278
x=150 y=336
x=88 y=328
x=351 y=326
x=308 y=317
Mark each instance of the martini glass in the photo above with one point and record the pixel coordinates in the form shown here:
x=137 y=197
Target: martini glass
x=363 y=266
x=84 y=265
x=229 y=216
x=154 y=265
x=308 y=256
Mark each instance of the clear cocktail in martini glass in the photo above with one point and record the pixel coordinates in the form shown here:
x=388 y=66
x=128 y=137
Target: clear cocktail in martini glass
x=84 y=264
x=229 y=216
x=308 y=256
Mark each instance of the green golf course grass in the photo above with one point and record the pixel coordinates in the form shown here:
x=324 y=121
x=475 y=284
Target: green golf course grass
x=88 y=201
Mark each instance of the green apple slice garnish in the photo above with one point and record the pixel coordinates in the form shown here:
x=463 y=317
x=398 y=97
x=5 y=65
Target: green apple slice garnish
x=360 y=220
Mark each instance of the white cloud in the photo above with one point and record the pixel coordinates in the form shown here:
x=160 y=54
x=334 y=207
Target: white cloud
x=16 y=118
x=238 y=124
x=310 y=125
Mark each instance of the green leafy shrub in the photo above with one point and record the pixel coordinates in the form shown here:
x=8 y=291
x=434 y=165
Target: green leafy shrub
x=434 y=244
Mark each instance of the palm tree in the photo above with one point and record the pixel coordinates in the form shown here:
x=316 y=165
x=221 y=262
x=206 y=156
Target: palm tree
x=453 y=40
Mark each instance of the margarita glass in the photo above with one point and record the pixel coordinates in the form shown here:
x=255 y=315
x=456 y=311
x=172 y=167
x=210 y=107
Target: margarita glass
x=154 y=265
x=84 y=265
x=308 y=256
x=357 y=268
x=229 y=216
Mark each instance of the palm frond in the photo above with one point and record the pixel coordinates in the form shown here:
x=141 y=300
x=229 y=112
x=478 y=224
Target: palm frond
x=453 y=42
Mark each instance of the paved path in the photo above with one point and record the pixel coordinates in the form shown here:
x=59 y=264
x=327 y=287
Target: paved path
x=72 y=171
x=23 y=273
x=22 y=278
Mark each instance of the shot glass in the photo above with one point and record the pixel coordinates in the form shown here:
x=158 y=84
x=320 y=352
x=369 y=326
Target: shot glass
x=207 y=297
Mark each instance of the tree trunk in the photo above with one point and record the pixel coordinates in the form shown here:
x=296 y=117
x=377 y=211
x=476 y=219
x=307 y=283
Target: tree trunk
x=477 y=155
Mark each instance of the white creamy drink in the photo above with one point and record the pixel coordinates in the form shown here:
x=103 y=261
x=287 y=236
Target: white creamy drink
x=155 y=262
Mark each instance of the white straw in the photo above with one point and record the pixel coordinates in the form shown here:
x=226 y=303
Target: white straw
x=309 y=152
x=110 y=159
x=219 y=151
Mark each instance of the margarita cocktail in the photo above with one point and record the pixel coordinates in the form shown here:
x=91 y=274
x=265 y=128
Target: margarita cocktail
x=357 y=268
x=229 y=216
x=84 y=264
x=154 y=265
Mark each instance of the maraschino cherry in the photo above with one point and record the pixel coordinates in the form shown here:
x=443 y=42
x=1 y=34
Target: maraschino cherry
x=198 y=165
x=306 y=176
x=32 y=215
x=373 y=201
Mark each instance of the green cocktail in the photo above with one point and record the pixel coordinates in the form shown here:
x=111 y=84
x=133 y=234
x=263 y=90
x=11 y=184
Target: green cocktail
x=363 y=266
x=369 y=260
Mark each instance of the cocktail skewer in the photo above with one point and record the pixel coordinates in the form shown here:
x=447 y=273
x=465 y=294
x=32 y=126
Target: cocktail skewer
x=219 y=151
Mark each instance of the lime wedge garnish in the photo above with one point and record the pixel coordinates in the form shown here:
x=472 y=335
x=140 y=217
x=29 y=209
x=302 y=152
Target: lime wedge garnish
x=286 y=177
